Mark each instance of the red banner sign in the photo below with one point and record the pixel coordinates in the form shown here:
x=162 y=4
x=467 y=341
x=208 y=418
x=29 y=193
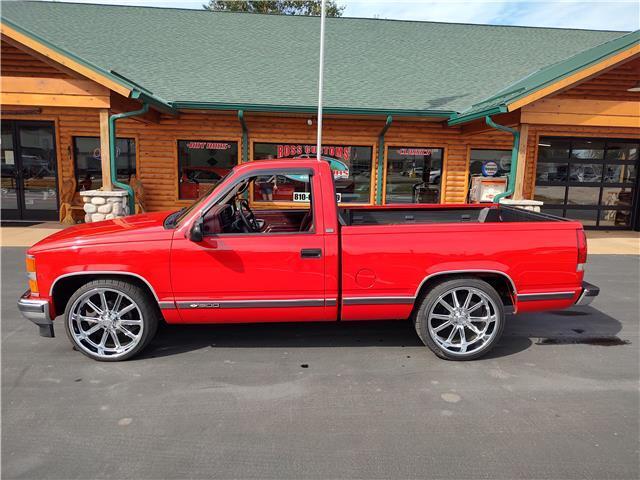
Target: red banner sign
x=415 y=151
x=208 y=146
x=289 y=150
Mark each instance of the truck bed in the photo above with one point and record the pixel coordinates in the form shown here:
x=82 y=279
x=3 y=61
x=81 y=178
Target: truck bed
x=429 y=214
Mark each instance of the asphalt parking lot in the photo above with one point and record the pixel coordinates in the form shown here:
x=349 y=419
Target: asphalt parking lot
x=558 y=398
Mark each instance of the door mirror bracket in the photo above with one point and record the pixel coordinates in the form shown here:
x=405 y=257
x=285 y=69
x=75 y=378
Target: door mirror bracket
x=195 y=232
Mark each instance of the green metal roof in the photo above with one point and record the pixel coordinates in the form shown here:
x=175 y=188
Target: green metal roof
x=203 y=59
x=546 y=76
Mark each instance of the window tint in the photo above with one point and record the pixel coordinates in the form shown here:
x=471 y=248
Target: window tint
x=413 y=175
x=351 y=165
x=202 y=164
x=88 y=167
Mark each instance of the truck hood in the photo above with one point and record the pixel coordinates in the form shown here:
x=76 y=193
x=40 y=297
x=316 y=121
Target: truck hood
x=134 y=228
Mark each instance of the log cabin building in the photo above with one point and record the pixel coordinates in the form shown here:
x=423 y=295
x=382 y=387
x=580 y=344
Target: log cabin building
x=415 y=112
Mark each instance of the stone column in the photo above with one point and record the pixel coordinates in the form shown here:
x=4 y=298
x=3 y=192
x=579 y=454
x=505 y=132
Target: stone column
x=102 y=205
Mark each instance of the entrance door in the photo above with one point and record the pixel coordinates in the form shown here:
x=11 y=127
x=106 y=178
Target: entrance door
x=29 y=171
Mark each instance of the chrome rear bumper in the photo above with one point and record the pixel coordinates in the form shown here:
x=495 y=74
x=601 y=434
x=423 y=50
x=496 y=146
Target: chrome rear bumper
x=38 y=312
x=589 y=292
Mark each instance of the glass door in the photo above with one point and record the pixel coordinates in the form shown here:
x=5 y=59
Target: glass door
x=29 y=171
x=589 y=179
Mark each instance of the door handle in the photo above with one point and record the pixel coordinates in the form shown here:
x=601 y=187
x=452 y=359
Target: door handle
x=311 y=253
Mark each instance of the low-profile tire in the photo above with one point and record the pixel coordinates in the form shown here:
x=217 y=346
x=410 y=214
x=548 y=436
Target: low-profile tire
x=111 y=320
x=462 y=327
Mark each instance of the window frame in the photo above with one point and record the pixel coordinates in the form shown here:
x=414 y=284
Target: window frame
x=185 y=202
x=563 y=209
x=275 y=171
x=385 y=170
x=136 y=150
x=326 y=142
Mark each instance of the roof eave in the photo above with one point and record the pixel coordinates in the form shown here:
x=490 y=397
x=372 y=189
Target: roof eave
x=188 y=105
x=457 y=119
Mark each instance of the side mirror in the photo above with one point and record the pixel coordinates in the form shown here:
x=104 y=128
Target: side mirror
x=195 y=233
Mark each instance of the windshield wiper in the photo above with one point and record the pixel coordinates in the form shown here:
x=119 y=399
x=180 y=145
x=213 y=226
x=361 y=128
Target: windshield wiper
x=170 y=221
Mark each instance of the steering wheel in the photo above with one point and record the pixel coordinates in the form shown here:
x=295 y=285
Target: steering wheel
x=247 y=216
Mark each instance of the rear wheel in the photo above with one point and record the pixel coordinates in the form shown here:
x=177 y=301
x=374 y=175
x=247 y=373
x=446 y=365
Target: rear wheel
x=111 y=320
x=460 y=319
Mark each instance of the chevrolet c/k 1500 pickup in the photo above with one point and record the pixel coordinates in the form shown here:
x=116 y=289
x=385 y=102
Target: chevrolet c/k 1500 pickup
x=232 y=257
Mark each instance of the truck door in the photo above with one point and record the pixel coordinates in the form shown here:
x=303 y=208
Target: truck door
x=267 y=268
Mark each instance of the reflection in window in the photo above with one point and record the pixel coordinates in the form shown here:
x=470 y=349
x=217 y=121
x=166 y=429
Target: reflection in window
x=202 y=164
x=88 y=167
x=591 y=180
x=585 y=172
x=583 y=195
x=550 y=194
x=615 y=218
x=413 y=175
x=351 y=166
x=285 y=188
x=620 y=174
x=587 y=150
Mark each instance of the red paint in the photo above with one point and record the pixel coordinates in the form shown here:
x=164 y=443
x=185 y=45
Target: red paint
x=375 y=261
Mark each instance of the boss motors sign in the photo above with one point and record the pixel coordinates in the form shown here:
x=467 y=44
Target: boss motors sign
x=293 y=150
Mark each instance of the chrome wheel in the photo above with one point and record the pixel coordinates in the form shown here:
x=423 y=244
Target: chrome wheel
x=463 y=320
x=106 y=323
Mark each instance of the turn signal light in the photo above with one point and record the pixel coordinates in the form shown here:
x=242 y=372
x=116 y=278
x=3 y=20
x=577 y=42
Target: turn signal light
x=31 y=263
x=31 y=274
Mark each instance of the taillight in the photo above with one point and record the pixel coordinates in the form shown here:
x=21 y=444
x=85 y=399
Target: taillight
x=31 y=274
x=582 y=248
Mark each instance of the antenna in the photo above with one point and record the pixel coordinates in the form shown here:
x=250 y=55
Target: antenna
x=320 y=82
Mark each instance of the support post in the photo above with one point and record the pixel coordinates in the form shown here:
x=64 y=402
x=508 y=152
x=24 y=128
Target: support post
x=380 y=170
x=518 y=193
x=245 y=137
x=105 y=158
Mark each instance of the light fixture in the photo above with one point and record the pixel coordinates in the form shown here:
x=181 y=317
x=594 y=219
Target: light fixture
x=635 y=88
x=544 y=144
x=309 y=122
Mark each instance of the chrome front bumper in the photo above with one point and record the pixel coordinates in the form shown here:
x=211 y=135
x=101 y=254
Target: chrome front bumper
x=38 y=312
x=589 y=292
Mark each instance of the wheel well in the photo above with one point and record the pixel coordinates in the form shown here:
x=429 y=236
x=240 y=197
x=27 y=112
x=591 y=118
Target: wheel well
x=67 y=286
x=501 y=283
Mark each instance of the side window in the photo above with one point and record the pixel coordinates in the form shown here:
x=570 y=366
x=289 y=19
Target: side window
x=88 y=168
x=236 y=214
x=201 y=165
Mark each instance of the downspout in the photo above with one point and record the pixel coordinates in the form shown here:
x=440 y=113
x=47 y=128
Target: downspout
x=511 y=183
x=387 y=124
x=112 y=152
x=245 y=137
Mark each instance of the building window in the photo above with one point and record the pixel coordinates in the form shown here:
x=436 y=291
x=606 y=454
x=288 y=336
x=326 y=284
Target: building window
x=591 y=180
x=413 y=175
x=202 y=164
x=351 y=165
x=88 y=167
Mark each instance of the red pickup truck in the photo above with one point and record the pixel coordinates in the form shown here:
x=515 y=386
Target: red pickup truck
x=454 y=270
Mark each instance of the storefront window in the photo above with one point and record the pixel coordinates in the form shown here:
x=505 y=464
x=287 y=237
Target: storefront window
x=487 y=165
x=202 y=164
x=413 y=175
x=88 y=167
x=591 y=180
x=351 y=165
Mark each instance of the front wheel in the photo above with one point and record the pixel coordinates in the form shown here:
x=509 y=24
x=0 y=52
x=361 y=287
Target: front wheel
x=110 y=320
x=460 y=319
